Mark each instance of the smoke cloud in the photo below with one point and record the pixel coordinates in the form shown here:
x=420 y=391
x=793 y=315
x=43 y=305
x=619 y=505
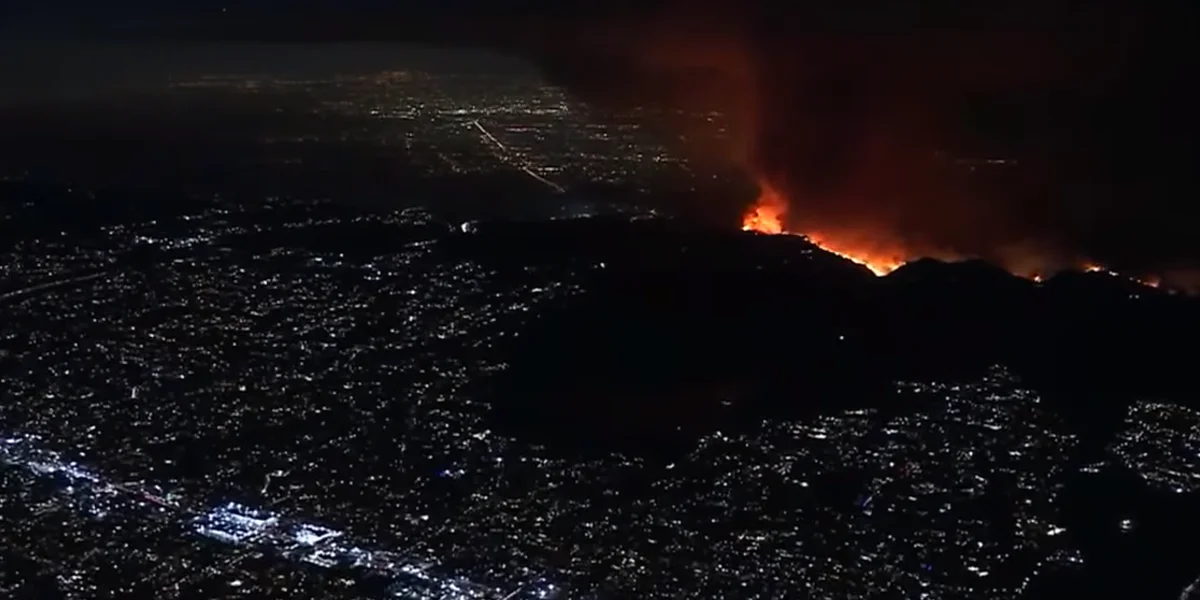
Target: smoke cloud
x=1036 y=136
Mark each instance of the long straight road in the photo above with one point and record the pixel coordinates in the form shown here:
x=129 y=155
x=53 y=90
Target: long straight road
x=41 y=287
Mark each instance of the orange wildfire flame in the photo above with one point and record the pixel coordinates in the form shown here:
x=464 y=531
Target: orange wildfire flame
x=767 y=216
x=763 y=219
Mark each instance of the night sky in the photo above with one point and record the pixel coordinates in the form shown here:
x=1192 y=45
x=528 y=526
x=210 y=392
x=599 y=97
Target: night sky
x=839 y=105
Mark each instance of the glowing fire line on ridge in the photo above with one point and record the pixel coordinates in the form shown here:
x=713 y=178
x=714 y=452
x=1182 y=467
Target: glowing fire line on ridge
x=767 y=216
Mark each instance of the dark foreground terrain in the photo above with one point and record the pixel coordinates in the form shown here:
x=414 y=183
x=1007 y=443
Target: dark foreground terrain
x=581 y=395
x=686 y=331
x=692 y=327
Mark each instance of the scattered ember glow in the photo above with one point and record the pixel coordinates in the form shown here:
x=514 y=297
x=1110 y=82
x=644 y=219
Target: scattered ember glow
x=1150 y=281
x=767 y=216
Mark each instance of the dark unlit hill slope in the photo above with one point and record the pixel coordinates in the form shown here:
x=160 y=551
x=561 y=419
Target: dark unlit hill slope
x=687 y=329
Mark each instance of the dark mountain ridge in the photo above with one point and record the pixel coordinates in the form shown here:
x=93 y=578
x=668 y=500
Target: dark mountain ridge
x=689 y=328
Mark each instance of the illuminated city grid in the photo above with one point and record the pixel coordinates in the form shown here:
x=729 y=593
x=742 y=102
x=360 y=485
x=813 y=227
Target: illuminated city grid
x=202 y=406
x=192 y=376
x=253 y=528
x=860 y=504
x=250 y=398
x=915 y=527
x=460 y=124
x=1161 y=443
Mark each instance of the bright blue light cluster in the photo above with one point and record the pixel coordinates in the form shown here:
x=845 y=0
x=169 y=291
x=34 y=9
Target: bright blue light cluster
x=247 y=526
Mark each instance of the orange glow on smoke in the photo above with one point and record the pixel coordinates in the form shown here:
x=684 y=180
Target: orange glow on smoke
x=767 y=216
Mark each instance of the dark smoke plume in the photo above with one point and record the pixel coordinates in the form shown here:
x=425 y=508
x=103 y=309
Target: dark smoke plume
x=868 y=119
